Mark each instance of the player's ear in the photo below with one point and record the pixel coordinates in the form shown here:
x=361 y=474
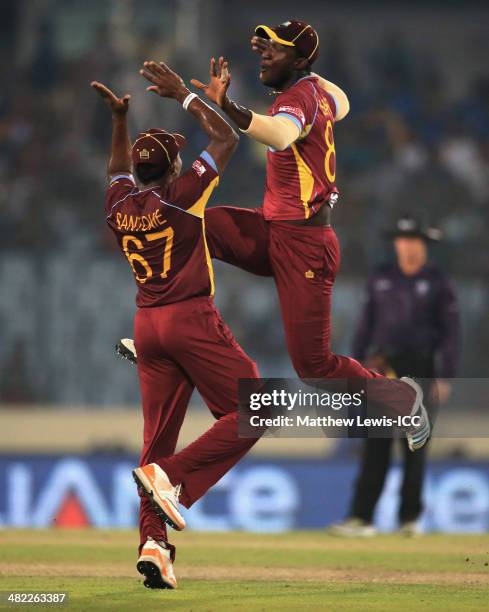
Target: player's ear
x=301 y=63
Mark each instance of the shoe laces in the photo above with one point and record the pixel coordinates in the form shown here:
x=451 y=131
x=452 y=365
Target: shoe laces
x=177 y=492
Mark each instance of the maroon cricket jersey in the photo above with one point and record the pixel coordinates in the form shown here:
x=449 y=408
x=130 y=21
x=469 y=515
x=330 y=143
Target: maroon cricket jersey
x=302 y=177
x=161 y=232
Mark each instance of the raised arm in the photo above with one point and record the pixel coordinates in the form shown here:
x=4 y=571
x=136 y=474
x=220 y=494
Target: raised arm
x=239 y=114
x=216 y=90
x=167 y=84
x=120 y=156
x=278 y=132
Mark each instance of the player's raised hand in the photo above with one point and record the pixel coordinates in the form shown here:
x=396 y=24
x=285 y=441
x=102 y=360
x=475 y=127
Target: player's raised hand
x=118 y=106
x=259 y=44
x=166 y=83
x=219 y=80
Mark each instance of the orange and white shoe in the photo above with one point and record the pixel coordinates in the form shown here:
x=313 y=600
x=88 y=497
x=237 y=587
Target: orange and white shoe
x=157 y=486
x=156 y=566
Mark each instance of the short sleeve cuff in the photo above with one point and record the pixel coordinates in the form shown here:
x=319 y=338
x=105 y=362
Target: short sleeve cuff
x=117 y=177
x=207 y=157
x=292 y=118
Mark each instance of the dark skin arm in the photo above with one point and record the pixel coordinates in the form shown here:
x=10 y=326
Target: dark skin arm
x=166 y=83
x=120 y=157
x=239 y=114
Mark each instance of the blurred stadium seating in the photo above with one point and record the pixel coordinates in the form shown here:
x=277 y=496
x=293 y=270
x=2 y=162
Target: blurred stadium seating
x=417 y=139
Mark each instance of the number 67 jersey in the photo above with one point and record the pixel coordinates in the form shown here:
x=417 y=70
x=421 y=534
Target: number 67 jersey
x=301 y=178
x=161 y=232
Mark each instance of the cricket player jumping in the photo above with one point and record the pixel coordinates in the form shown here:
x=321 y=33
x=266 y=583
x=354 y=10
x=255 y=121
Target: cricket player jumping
x=180 y=337
x=290 y=237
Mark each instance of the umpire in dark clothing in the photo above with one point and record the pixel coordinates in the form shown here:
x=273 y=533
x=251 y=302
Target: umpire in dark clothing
x=409 y=326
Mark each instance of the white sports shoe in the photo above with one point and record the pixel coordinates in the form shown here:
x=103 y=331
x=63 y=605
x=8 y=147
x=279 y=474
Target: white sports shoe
x=418 y=435
x=156 y=566
x=411 y=529
x=353 y=528
x=157 y=486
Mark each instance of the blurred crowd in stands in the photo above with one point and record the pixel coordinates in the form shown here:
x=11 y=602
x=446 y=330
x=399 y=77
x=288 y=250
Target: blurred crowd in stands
x=410 y=142
x=406 y=145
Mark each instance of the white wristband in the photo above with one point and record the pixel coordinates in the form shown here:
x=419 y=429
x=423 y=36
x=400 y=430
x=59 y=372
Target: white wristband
x=188 y=99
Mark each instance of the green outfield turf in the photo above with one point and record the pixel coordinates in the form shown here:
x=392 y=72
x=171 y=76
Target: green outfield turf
x=238 y=571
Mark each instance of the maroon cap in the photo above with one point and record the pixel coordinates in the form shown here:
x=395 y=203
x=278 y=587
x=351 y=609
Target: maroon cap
x=293 y=34
x=157 y=147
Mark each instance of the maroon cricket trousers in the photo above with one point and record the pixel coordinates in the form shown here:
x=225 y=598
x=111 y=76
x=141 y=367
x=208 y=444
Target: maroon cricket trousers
x=303 y=261
x=180 y=347
x=186 y=344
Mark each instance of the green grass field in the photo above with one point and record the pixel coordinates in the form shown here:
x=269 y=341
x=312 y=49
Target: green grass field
x=239 y=571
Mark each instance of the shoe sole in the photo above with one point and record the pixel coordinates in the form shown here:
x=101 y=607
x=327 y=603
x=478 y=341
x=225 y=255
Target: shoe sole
x=413 y=447
x=161 y=512
x=344 y=534
x=154 y=578
x=125 y=353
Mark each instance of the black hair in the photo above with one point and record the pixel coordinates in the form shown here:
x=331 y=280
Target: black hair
x=148 y=173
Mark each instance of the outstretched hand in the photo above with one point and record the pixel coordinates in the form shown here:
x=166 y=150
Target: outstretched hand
x=118 y=106
x=219 y=80
x=166 y=83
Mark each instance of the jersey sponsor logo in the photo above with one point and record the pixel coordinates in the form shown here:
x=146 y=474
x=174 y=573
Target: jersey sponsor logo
x=293 y=111
x=199 y=167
